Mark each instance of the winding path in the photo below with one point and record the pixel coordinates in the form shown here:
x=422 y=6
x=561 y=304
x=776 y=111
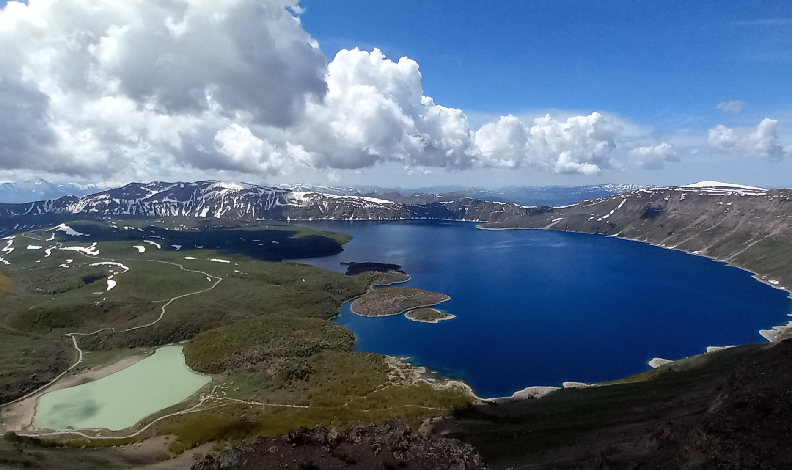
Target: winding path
x=74 y=335
x=205 y=401
x=198 y=408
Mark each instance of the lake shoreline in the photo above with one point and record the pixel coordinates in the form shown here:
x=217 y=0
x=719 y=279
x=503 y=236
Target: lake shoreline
x=756 y=275
x=772 y=335
x=726 y=340
x=19 y=416
x=122 y=399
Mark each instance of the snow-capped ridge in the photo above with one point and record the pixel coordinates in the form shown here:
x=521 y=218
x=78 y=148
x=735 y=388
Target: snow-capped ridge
x=213 y=199
x=718 y=184
x=713 y=188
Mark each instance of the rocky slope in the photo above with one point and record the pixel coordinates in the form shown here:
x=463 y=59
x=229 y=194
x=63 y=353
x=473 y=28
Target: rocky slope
x=726 y=410
x=388 y=446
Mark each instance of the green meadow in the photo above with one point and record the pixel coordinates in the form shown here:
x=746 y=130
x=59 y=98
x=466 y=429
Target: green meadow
x=259 y=327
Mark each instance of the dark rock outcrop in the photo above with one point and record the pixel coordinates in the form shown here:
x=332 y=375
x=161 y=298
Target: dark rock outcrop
x=357 y=268
x=389 y=446
x=379 y=274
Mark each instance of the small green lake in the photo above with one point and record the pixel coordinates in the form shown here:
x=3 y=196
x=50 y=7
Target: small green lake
x=122 y=399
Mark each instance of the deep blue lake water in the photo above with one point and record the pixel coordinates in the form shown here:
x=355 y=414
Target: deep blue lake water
x=539 y=308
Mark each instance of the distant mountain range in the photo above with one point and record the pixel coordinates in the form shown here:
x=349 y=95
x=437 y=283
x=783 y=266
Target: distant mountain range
x=522 y=195
x=212 y=199
x=57 y=202
x=40 y=190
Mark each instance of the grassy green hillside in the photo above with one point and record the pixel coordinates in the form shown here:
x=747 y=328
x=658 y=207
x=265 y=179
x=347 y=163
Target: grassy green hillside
x=262 y=342
x=260 y=327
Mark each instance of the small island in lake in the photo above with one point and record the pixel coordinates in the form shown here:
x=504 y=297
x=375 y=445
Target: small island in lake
x=428 y=315
x=380 y=274
x=394 y=300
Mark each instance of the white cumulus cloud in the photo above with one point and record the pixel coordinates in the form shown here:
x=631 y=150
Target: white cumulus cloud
x=503 y=143
x=654 y=157
x=580 y=144
x=375 y=111
x=761 y=141
x=247 y=152
x=116 y=85
x=137 y=89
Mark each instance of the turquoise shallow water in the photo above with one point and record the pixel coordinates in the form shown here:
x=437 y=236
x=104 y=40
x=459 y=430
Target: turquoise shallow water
x=122 y=399
x=540 y=308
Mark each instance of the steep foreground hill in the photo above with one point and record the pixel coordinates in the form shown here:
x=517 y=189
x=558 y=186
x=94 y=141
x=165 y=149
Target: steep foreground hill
x=389 y=446
x=726 y=410
x=729 y=410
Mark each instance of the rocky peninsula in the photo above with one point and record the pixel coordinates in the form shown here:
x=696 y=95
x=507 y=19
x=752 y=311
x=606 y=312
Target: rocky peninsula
x=428 y=315
x=394 y=300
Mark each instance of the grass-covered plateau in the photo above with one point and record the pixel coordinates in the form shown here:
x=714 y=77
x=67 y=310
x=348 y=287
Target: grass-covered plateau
x=259 y=326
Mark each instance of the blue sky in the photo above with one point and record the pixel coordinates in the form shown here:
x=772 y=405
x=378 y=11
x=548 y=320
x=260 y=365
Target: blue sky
x=658 y=62
x=651 y=92
x=665 y=65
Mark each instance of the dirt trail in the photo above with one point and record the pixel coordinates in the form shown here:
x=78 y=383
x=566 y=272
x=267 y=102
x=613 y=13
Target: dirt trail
x=18 y=414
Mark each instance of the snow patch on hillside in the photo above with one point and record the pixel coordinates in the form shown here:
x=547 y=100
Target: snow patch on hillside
x=658 y=362
x=69 y=231
x=159 y=247
x=719 y=188
x=718 y=184
x=90 y=251
x=230 y=186
x=305 y=198
x=111 y=263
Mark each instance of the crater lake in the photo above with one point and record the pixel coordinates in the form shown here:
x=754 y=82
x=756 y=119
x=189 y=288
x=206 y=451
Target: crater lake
x=540 y=307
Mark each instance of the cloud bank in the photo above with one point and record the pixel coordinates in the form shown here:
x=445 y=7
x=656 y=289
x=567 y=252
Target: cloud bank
x=137 y=89
x=654 y=157
x=760 y=142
